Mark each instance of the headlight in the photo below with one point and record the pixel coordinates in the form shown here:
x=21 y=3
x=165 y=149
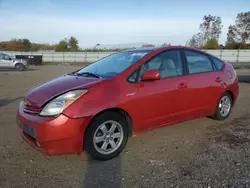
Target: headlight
x=58 y=104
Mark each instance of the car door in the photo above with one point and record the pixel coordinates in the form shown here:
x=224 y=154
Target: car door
x=203 y=84
x=161 y=101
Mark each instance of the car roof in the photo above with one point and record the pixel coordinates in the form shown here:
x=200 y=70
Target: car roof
x=160 y=48
x=143 y=49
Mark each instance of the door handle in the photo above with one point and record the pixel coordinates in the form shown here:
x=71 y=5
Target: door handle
x=130 y=94
x=182 y=85
x=218 y=79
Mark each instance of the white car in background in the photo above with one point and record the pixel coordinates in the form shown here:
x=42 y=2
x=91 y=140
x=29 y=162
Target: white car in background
x=7 y=61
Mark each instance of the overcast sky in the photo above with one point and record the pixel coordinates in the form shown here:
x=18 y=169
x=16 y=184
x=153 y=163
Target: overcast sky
x=112 y=21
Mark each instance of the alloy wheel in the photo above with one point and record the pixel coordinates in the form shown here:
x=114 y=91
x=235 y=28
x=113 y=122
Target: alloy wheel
x=108 y=137
x=224 y=106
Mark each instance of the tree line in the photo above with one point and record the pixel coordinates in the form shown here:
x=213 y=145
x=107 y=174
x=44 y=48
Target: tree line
x=24 y=45
x=65 y=45
x=238 y=35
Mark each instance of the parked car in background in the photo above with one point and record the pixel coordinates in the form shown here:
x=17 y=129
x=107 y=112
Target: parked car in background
x=7 y=61
x=98 y=107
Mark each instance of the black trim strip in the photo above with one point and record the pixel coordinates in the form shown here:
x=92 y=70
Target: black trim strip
x=30 y=111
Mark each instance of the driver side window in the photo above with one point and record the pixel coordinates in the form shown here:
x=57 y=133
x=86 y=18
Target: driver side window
x=168 y=63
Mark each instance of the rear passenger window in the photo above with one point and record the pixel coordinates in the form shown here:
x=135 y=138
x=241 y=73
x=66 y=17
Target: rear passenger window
x=197 y=62
x=218 y=63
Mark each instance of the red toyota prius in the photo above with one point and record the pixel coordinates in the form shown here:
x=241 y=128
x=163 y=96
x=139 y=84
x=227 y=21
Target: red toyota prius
x=99 y=106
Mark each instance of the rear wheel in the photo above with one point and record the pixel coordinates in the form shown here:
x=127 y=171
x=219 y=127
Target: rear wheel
x=224 y=107
x=106 y=136
x=20 y=67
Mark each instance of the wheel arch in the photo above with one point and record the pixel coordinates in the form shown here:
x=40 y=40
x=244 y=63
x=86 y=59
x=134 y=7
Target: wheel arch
x=121 y=112
x=18 y=63
x=232 y=97
x=231 y=94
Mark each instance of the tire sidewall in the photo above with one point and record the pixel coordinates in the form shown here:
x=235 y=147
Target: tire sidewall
x=88 y=138
x=20 y=67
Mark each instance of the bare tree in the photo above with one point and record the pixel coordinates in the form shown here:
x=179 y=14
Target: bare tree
x=231 y=37
x=211 y=27
x=240 y=32
x=196 y=41
x=210 y=30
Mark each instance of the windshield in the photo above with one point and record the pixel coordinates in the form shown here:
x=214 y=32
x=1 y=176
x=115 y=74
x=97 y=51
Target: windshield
x=5 y=56
x=114 y=64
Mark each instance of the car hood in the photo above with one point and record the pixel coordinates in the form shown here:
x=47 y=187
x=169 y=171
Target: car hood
x=38 y=96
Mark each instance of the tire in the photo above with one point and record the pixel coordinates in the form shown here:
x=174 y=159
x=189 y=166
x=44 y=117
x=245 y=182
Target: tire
x=20 y=67
x=97 y=137
x=222 y=116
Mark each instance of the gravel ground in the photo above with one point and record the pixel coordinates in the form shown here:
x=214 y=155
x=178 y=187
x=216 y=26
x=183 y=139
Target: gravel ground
x=199 y=153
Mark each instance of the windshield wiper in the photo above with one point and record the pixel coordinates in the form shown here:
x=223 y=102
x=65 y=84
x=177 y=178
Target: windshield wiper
x=88 y=74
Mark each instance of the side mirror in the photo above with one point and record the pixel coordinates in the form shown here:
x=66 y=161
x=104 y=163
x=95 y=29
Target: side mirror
x=151 y=75
x=10 y=59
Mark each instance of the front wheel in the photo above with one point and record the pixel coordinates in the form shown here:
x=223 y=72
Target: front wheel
x=224 y=107
x=20 y=67
x=106 y=136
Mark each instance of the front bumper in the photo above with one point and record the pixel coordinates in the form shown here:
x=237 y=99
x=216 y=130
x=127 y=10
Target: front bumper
x=53 y=135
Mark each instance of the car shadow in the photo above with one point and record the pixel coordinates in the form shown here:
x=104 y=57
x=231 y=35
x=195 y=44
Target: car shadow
x=103 y=173
x=7 y=101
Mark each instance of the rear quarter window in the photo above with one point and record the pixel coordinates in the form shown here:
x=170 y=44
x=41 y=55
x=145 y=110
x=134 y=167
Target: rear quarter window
x=218 y=63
